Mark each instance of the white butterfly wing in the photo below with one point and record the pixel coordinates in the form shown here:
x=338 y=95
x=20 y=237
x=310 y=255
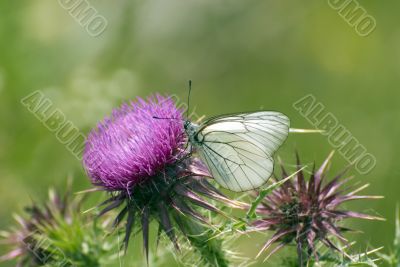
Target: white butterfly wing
x=239 y=149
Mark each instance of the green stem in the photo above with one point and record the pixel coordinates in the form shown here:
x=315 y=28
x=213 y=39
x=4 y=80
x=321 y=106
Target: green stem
x=303 y=254
x=209 y=248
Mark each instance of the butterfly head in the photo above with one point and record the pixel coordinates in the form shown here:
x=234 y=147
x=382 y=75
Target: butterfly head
x=190 y=129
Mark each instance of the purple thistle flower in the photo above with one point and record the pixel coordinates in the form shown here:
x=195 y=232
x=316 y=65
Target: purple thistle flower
x=305 y=212
x=131 y=145
x=139 y=155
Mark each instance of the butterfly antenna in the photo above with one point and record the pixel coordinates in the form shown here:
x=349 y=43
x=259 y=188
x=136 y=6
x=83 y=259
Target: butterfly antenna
x=188 y=100
x=164 y=118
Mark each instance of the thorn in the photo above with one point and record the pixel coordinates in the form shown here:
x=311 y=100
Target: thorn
x=295 y=130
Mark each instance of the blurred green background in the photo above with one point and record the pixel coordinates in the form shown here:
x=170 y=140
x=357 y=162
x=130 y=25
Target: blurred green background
x=241 y=55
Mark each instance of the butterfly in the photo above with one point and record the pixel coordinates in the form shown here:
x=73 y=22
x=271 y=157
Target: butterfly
x=238 y=148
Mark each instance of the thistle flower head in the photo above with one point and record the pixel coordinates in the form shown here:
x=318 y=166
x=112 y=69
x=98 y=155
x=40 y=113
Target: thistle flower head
x=305 y=212
x=51 y=232
x=23 y=237
x=148 y=171
x=133 y=145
